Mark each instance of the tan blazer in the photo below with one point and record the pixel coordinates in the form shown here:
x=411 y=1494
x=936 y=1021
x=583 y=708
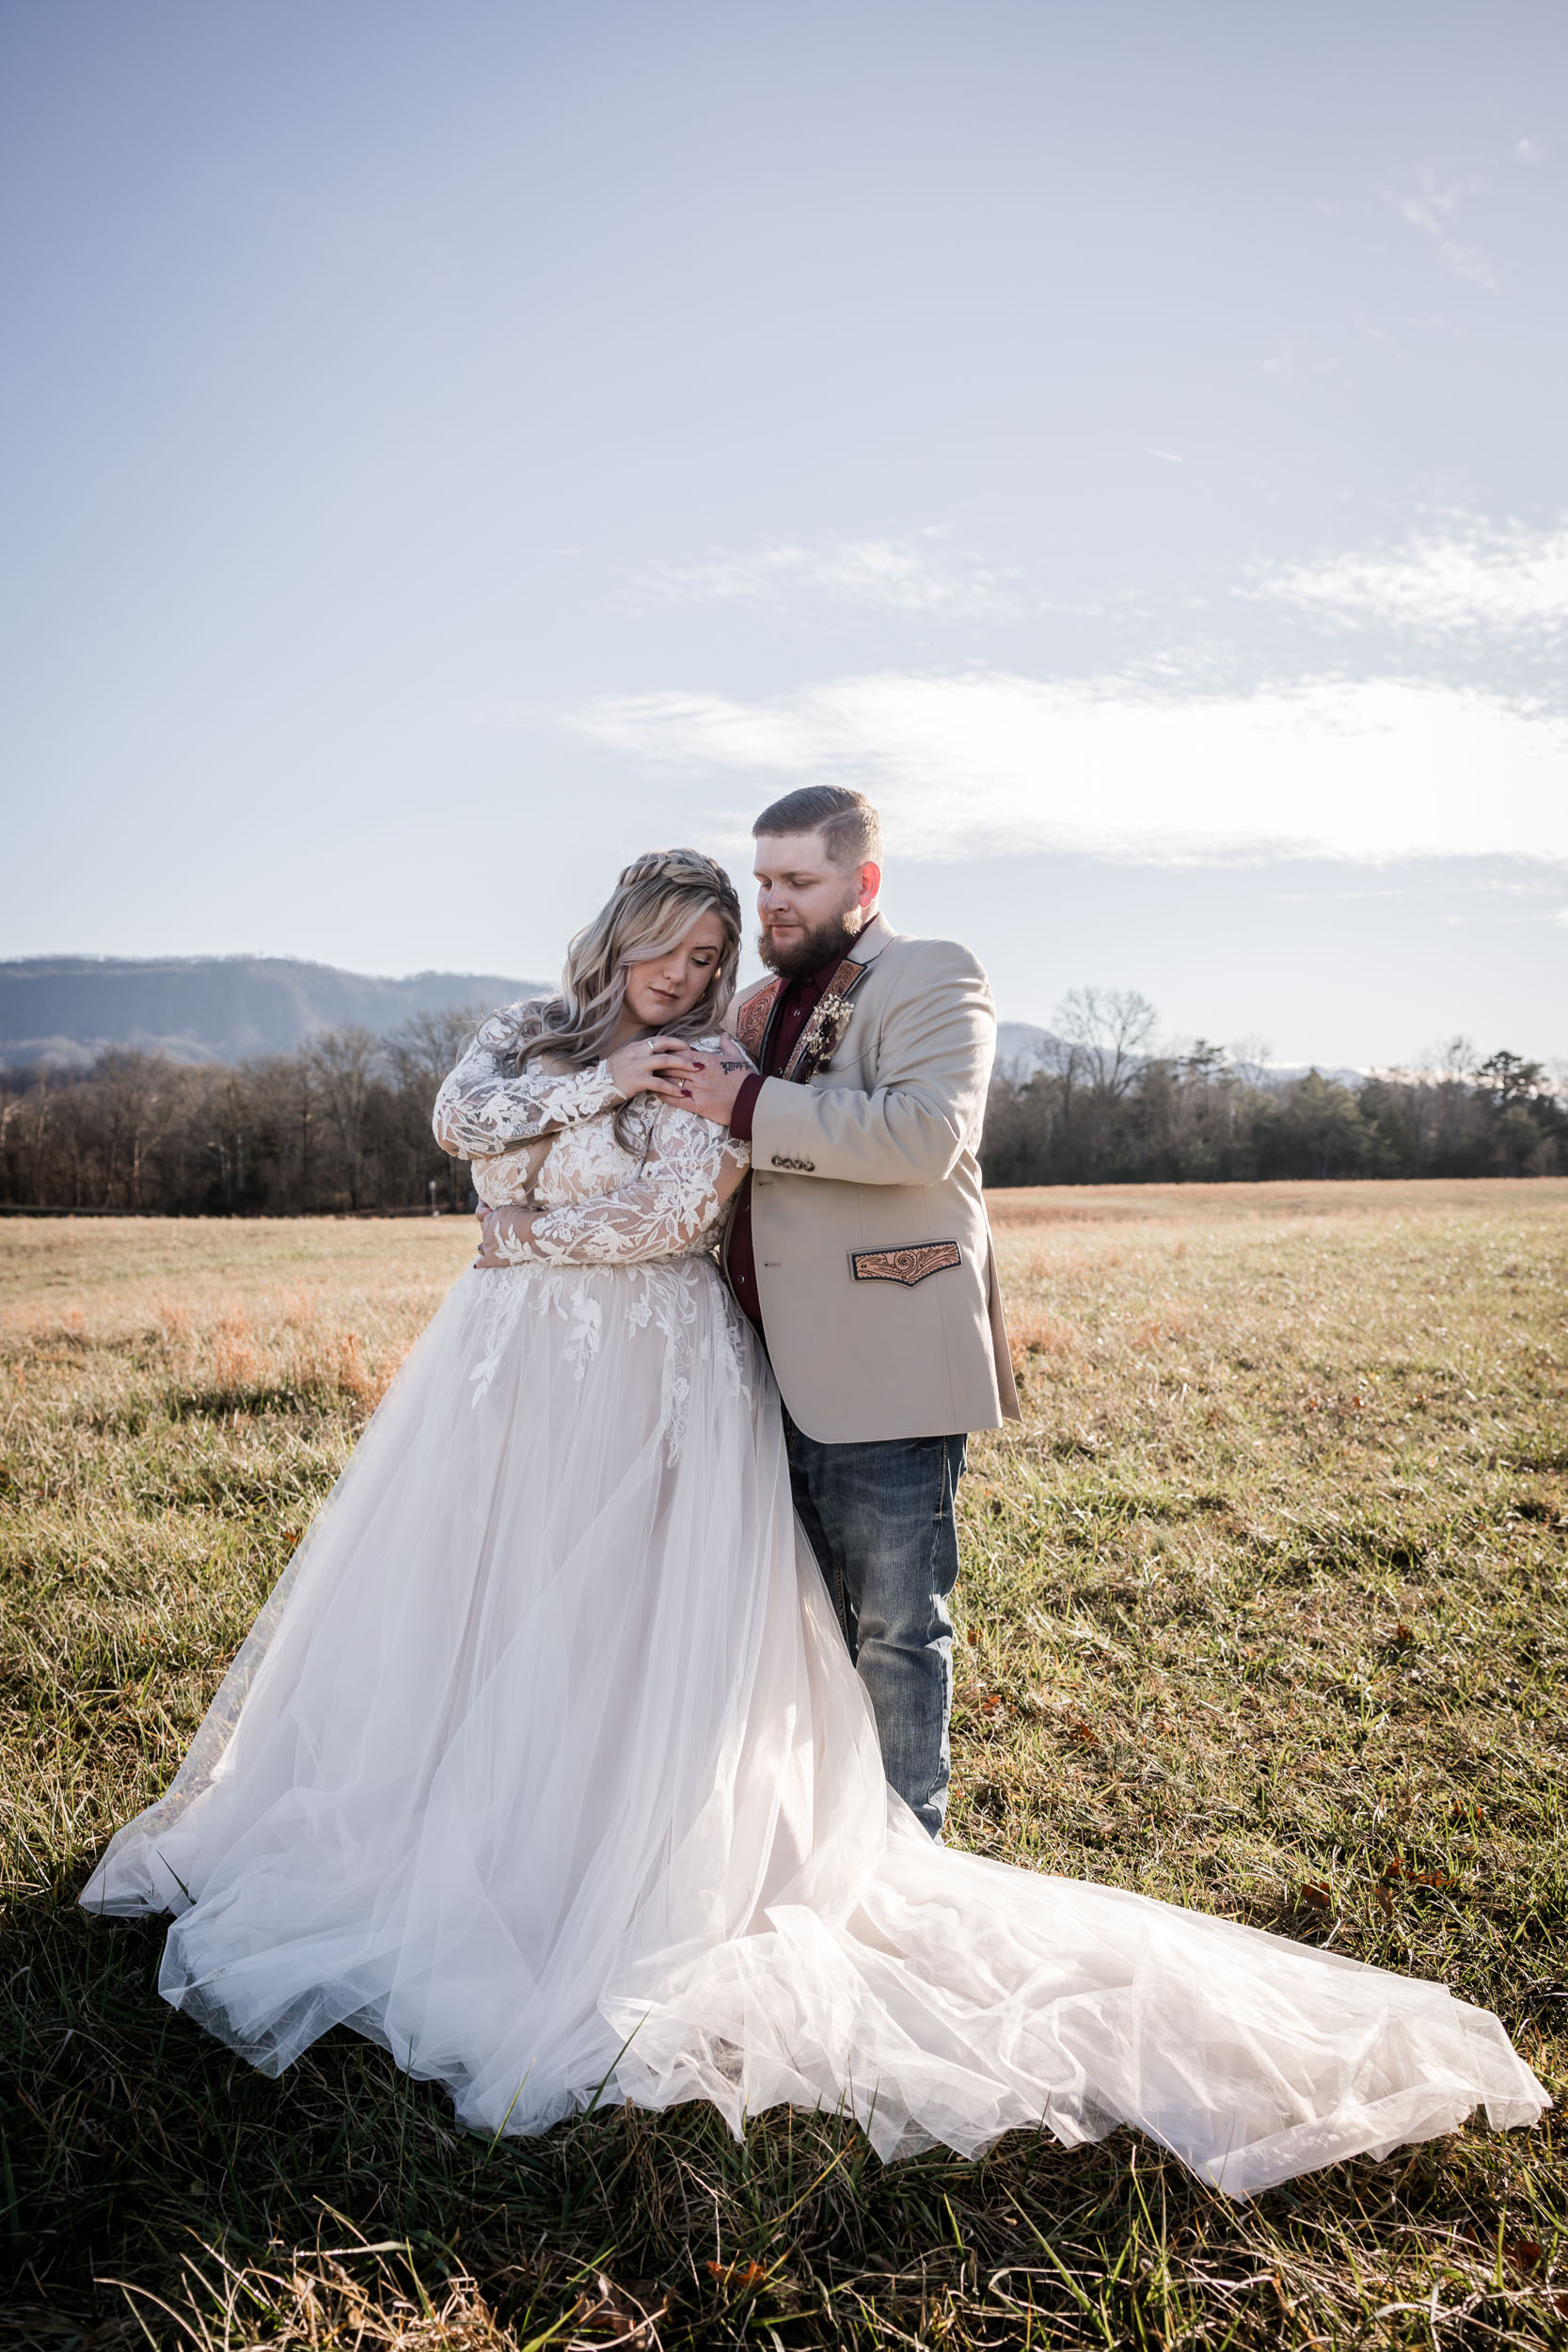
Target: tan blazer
x=874 y=1258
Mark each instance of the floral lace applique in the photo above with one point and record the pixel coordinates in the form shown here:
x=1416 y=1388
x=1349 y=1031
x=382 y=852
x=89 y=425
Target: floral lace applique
x=652 y=1217
x=602 y=1205
x=558 y=1293
x=668 y=1297
x=484 y=1106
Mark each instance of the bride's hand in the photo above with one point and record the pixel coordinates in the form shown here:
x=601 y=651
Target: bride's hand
x=653 y=1065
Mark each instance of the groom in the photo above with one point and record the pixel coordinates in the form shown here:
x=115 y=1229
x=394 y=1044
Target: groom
x=860 y=1247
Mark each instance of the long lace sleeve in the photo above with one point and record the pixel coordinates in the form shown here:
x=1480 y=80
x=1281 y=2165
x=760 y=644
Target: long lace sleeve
x=481 y=1111
x=673 y=1210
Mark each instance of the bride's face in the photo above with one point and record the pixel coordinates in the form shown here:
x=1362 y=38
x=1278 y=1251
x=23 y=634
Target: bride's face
x=666 y=986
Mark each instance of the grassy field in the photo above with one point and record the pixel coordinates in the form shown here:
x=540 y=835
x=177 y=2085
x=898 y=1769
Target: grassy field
x=1264 y=1609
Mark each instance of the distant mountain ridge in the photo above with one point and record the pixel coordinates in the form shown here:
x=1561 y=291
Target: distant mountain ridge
x=61 y=1012
x=1023 y=1047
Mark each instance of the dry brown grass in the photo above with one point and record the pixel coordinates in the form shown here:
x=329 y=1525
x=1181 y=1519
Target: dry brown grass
x=1263 y=1609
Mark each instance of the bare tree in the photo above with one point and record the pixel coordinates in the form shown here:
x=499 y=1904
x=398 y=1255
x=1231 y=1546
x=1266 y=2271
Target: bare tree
x=134 y=1091
x=345 y=1062
x=1450 y=1065
x=1109 y=1030
x=422 y=1051
x=425 y=1046
x=298 y=1084
x=1250 y=1058
x=27 y=1134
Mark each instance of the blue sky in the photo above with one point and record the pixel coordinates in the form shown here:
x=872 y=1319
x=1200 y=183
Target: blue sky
x=449 y=450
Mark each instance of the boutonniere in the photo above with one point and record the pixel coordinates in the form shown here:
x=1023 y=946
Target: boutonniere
x=825 y=1029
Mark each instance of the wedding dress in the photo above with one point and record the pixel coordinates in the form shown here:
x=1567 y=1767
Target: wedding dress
x=546 y=1766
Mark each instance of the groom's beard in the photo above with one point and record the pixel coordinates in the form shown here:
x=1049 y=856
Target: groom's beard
x=813 y=948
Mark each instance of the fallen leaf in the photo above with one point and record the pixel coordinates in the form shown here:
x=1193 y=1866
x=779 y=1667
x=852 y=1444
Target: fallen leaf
x=626 y=2315
x=1525 y=2253
x=1315 y=1893
x=743 y=2276
x=1398 y=1869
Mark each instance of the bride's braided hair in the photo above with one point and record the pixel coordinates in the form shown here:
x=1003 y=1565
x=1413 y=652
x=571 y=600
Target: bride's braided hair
x=655 y=901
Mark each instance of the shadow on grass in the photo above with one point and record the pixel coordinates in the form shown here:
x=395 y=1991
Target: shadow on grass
x=147 y=2166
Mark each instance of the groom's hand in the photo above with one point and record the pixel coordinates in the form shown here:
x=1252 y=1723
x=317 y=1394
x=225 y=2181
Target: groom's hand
x=712 y=1084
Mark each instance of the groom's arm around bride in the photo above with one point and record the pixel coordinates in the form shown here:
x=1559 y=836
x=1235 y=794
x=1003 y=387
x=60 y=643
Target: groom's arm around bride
x=862 y=1250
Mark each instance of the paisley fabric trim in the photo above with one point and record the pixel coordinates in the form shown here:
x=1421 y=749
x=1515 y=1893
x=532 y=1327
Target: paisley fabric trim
x=751 y=1019
x=904 y=1266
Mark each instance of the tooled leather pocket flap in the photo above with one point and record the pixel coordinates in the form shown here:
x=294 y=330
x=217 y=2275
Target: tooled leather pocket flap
x=904 y=1266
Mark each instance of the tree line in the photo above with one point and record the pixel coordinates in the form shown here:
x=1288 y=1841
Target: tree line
x=1105 y=1105
x=342 y=1124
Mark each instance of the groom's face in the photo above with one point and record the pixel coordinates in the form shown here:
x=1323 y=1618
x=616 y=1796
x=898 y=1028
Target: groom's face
x=810 y=909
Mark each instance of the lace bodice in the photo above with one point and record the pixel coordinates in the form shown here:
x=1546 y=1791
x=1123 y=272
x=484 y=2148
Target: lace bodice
x=545 y=1140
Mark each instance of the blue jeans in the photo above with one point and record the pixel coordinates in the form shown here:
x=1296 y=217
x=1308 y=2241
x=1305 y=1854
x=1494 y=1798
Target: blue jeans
x=881 y=1521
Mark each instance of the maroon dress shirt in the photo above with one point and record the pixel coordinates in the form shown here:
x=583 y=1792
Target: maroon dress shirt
x=790 y=1014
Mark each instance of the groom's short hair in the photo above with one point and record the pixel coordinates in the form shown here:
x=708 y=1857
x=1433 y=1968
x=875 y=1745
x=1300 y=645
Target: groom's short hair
x=850 y=828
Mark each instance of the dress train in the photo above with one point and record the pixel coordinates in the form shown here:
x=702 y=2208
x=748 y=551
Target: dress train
x=545 y=1767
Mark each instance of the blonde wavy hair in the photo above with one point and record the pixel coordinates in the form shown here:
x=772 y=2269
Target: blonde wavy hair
x=654 y=903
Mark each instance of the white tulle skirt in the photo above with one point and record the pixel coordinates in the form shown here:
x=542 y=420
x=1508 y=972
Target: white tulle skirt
x=545 y=1767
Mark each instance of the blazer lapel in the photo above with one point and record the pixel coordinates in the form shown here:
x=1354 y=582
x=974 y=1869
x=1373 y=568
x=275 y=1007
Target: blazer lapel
x=815 y=1044
x=755 y=1020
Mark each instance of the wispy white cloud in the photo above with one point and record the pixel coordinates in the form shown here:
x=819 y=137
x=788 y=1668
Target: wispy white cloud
x=993 y=763
x=1469 y=577
x=1432 y=210
x=912 y=574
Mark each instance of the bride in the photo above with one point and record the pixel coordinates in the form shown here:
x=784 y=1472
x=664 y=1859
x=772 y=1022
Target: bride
x=545 y=1765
